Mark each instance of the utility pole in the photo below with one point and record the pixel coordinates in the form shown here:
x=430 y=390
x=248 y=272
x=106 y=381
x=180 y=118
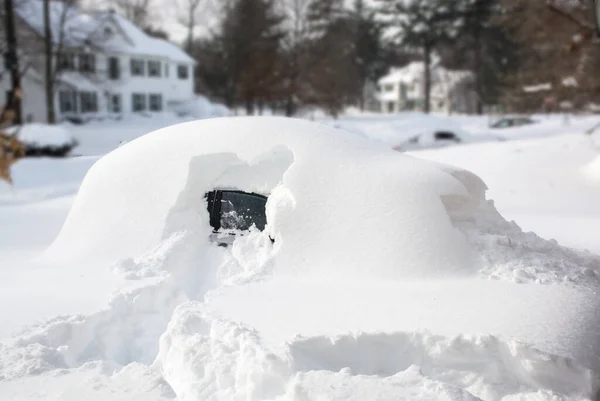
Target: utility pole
x=11 y=60
x=49 y=78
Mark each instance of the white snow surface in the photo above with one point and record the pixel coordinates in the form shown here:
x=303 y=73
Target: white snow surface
x=390 y=277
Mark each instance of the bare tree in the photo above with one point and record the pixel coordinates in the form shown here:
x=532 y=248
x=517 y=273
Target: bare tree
x=48 y=50
x=12 y=63
x=55 y=38
x=295 y=51
x=137 y=11
x=189 y=15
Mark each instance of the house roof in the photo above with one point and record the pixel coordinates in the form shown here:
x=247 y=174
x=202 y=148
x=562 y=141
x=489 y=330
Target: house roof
x=66 y=21
x=405 y=74
x=147 y=45
x=414 y=71
x=77 y=27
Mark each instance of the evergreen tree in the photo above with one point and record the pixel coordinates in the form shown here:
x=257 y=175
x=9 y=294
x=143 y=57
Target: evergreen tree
x=423 y=24
x=369 y=48
x=333 y=75
x=487 y=48
x=247 y=45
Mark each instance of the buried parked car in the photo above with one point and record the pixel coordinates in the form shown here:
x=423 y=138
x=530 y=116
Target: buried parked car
x=512 y=121
x=351 y=268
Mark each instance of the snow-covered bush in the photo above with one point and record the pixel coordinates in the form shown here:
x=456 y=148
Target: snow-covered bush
x=200 y=107
x=44 y=140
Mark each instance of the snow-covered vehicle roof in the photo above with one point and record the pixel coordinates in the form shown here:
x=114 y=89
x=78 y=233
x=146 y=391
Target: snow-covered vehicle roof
x=388 y=273
x=416 y=130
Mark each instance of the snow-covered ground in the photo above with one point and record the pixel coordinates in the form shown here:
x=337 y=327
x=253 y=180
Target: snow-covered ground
x=179 y=321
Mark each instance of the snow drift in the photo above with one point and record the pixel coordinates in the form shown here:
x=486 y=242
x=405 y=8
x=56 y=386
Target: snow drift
x=320 y=206
x=389 y=278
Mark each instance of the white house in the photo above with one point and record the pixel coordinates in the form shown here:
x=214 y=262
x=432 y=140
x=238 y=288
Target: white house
x=404 y=89
x=104 y=65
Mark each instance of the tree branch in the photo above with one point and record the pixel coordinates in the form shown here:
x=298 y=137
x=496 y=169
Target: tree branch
x=557 y=10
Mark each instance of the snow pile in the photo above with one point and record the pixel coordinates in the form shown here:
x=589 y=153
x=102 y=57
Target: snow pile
x=201 y=107
x=43 y=135
x=592 y=170
x=412 y=130
x=274 y=156
x=378 y=285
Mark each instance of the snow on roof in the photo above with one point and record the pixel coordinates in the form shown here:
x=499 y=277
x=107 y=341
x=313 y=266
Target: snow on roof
x=415 y=70
x=147 y=45
x=537 y=88
x=66 y=21
x=317 y=176
x=405 y=74
x=77 y=27
x=78 y=81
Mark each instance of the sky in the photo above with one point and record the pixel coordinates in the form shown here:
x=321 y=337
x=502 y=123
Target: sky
x=166 y=16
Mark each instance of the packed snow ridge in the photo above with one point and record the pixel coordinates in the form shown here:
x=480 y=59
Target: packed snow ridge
x=388 y=277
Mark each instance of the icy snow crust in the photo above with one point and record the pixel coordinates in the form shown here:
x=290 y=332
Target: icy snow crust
x=390 y=278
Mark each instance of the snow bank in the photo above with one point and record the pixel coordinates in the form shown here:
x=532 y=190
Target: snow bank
x=330 y=192
x=201 y=107
x=389 y=278
x=43 y=135
x=592 y=170
x=411 y=130
x=356 y=366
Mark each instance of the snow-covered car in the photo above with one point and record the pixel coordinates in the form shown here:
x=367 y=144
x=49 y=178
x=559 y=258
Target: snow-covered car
x=512 y=121
x=42 y=140
x=373 y=275
x=433 y=139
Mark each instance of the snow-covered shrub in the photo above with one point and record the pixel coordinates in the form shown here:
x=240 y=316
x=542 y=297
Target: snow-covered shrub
x=44 y=140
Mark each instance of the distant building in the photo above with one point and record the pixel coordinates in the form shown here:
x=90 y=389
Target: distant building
x=404 y=89
x=105 y=65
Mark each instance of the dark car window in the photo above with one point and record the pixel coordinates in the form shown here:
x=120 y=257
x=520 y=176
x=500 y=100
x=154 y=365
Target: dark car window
x=239 y=211
x=236 y=210
x=445 y=136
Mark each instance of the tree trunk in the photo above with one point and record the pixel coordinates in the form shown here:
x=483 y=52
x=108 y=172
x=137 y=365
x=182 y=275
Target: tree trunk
x=261 y=105
x=50 y=112
x=290 y=107
x=12 y=63
x=249 y=106
x=427 y=79
x=478 y=72
x=190 y=33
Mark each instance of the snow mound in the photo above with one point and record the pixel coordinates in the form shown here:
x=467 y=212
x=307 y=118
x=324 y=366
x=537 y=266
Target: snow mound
x=389 y=278
x=43 y=135
x=201 y=107
x=592 y=170
x=330 y=191
x=354 y=366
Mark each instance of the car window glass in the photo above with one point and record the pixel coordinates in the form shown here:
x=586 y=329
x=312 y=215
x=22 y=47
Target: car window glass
x=239 y=211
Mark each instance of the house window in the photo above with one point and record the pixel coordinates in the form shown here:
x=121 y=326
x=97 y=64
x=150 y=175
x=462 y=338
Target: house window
x=154 y=68
x=67 y=101
x=138 y=102
x=114 y=72
x=388 y=88
x=182 y=71
x=89 y=102
x=137 y=67
x=87 y=63
x=167 y=70
x=155 y=102
x=66 y=62
x=115 y=103
x=390 y=107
